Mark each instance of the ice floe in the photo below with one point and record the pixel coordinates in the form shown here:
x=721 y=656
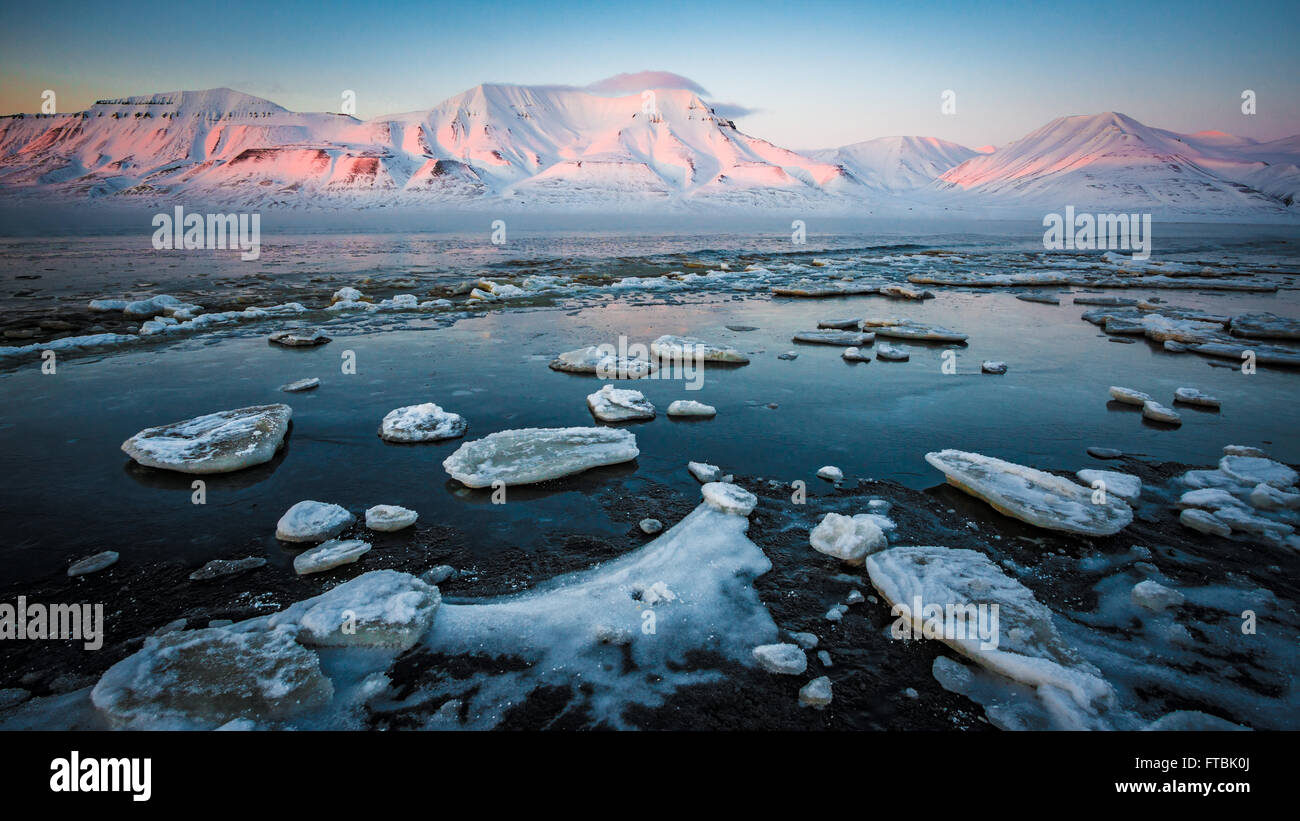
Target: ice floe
x=298 y=339
x=601 y=362
x=527 y=455
x=1157 y=412
x=783 y=659
x=830 y=473
x=388 y=518
x=1192 y=396
x=704 y=472
x=668 y=348
x=1129 y=396
x=329 y=555
x=309 y=384
x=1027 y=648
x=816 y=693
x=1034 y=496
x=1124 y=485
x=421 y=423
x=215 y=442
x=381 y=608
x=689 y=407
x=196 y=679
x=93 y=564
x=889 y=353
x=311 y=521
x=841 y=339
x=848 y=538
x=611 y=404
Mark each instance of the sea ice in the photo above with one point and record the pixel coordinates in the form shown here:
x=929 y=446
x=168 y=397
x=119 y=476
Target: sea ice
x=594 y=360
x=93 y=564
x=205 y=678
x=329 y=555
x=421 y=423
x=1128 y=396
x=889 y=353
x=669 y=348
x=842 y=339
x=1204 y=522
x=784 y=659
x=387 y=518
x=704 y=472
x=848 y=538
x=381 y=608
x=301 y=385
x=1252 y=470
x=527 y=455
x=214 y=443
x=830 y=473
x=1155 y=596
x=816 y=693
x=1028 y=649
x=611 y=404
x=1157 y=412
x=1192 y=396
x=298 y=339
x=1124 y=485
x=1034 y=496
x=309 y=521
x=689 y=407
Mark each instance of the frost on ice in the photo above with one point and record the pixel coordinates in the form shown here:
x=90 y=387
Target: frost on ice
x=602 y=363
x=329 y=555
x=214 y=443
x=669 y=348
x=563 y=626
x=689 y=407
x=205 y=678
x=1034 y=496
x=421 y=423
x=1028 y=650
x=849 y=538
x=310 y=521
x=390 y=517
x=382 y=608
x=527 y=455
x=611 y=404
x=1124 y=485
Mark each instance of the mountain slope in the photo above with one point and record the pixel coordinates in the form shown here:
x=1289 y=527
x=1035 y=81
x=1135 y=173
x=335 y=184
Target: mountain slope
x=564 y=148
x=1102 y=161
x=897 y=163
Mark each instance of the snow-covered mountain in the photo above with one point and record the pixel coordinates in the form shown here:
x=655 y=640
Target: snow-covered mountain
x=1110 y=160
x=894 y=164
x=497 y=146
x=529 y=145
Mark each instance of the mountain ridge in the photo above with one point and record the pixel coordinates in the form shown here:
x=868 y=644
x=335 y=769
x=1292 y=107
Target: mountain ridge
x=501 y=145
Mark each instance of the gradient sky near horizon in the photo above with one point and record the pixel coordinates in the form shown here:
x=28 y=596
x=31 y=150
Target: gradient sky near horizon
x=817 y=75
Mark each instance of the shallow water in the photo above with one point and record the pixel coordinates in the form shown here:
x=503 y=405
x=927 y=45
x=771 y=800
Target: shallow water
x=68 y=490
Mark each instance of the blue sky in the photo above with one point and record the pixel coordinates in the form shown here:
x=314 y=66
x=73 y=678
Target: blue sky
x=817 y=74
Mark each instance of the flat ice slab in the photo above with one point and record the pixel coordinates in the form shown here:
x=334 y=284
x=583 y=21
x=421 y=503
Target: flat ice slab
x=1034 y=496
x=527 y=455
x=215 y=442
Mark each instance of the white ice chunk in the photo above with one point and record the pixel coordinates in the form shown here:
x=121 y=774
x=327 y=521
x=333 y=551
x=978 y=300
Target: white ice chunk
x=1034 y=496
x=214 y=443
x=527 y=455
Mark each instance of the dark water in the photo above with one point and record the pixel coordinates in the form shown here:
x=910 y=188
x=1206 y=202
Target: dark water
x=67 y=489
